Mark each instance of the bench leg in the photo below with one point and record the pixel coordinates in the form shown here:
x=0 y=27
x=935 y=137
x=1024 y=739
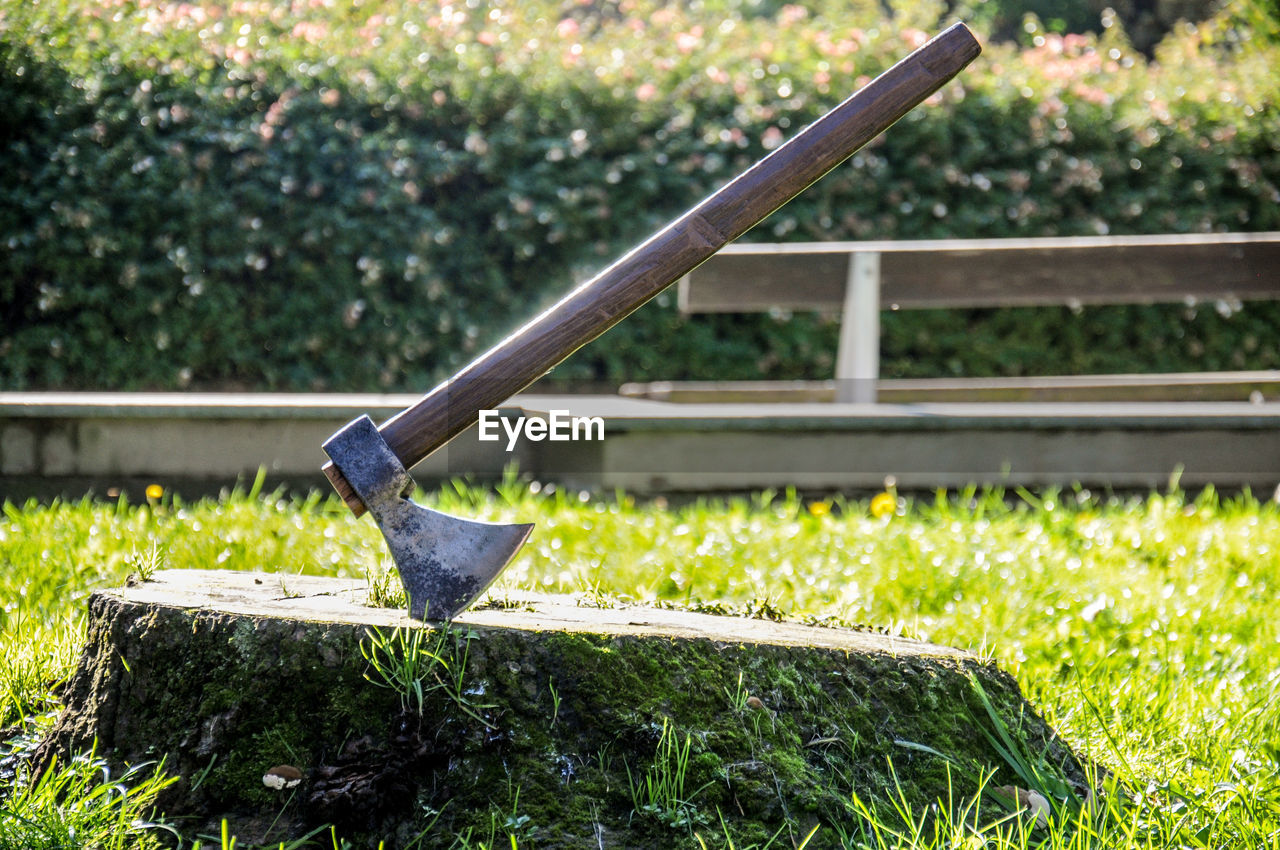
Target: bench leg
x=858 y=358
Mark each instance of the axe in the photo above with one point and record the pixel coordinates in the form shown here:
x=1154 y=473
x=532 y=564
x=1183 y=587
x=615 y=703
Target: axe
x=445 y=562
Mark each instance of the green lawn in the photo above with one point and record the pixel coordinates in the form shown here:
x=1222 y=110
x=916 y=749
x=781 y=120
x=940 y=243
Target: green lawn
x=1144 y=628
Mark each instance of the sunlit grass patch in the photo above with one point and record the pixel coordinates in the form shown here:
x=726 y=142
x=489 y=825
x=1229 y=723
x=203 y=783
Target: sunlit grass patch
x=1143 y=628
x=80 y=804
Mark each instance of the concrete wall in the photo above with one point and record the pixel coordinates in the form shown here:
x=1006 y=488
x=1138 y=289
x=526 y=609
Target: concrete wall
x=74 y=443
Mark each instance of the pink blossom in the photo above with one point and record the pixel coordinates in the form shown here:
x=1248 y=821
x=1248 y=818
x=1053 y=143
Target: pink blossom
x=184 y=12
x=687 y=42
x=1051 y=106
x=310 y=31
x=843 y=47
x=275 y=112
x=791 y=13
x=1090 y=94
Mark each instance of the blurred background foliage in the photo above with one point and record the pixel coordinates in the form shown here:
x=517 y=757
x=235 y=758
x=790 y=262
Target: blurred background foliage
x=362 y=194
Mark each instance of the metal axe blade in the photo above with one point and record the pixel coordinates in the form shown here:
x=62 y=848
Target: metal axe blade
x=444 y=562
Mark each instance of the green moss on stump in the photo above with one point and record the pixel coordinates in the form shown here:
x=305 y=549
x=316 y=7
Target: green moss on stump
x=566 y=712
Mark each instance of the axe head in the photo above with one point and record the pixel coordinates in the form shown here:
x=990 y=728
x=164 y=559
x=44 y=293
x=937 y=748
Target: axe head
x=444 y=562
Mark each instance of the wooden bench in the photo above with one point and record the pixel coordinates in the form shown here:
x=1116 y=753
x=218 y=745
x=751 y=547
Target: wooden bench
x=859 y=279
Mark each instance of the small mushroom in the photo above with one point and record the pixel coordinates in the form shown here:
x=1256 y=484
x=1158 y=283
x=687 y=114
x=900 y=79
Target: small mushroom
x=281 y=777
x=1040 y=807
x=1031 y=801
x=756 y=703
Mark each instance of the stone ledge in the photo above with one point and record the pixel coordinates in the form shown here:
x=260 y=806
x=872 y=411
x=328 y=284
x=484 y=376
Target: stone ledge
x=66 y=443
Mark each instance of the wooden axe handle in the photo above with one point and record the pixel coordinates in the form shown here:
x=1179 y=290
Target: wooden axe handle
x=600 y=303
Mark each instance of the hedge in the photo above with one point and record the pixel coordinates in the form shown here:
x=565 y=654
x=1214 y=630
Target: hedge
x=348 y=195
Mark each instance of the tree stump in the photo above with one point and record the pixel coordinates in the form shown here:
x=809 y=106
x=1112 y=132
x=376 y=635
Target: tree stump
x=560 y=722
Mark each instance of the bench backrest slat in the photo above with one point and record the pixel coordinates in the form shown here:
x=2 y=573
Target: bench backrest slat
x=992 y=272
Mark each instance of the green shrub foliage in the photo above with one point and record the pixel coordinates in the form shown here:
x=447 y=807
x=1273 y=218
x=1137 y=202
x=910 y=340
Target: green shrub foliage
x=361 y=195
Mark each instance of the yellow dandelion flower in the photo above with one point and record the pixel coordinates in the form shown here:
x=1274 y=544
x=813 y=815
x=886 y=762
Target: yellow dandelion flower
x=819 y=508
x=883 y=504
x=154 y=491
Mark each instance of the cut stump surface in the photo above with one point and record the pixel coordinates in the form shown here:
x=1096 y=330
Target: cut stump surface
x=563 y=724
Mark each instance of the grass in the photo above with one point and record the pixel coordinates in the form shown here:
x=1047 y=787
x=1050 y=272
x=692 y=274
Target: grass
x=660 y=790
x=400 y=661
x=80 y=804
x=1144 y=628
